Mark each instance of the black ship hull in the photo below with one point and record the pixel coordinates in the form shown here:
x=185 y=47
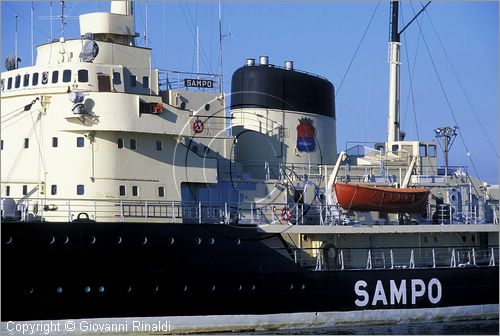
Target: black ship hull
x=91 y=270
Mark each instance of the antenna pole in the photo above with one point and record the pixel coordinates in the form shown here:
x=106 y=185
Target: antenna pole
x=62 y=18
x=221 y=78
x=197 y=50
x=146 y=32
x=51 y=29
x=32 y=34
x=15 y=43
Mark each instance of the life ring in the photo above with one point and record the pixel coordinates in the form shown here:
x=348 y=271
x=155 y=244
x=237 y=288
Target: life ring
x=198 y=126
x=286 y=214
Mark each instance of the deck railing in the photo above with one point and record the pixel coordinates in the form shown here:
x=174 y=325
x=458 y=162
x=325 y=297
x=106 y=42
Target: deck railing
x=329 y=258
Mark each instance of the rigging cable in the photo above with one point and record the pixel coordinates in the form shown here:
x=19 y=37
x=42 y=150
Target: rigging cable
x=447 y=100
x=411 y=74
x=357 y=49
x=462 y=87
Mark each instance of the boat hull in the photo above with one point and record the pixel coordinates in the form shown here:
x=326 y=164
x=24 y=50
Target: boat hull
x=366 y=198
x=92 y=270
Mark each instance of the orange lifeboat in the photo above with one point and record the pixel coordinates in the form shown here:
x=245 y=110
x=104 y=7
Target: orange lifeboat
x=366 y=198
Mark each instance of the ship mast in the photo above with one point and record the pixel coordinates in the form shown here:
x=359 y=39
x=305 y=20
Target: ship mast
x=393 y=127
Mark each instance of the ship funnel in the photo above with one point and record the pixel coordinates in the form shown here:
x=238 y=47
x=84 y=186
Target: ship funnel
x=250 y=62
x=289 y=65
x=264 y=60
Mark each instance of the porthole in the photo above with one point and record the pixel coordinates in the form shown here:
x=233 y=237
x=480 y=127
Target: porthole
x=31 y=290
x=119 y=240
x=253 y=287
x=9 y=241
x=157 y=288
x=303 y=287
x=66 y=240
x=129 y=289
x=101 y=289
x=87 y=289
x=92 y=240
x=238 y=241
x=464 y=238
x=145 y=241
x=185 y=288
x=213 y=288
x=473 y=238
x=171 y=240
x=207 y=107
x=435 y=239
x=425 y=239
x=240 y=287
x=52 y=240
x=211 y=241
x=291 y=286
x=198 y=241
x=59 y=290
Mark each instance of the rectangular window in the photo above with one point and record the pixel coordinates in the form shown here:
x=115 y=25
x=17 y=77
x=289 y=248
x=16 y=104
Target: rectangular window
x=159 y=145
x=26 y=142
x=120 y=143
x=117 y=78
x=135 y=191
x=7 y=190
x=1 y=144
x=26 y=80
x=422 y=150
x=133 y=81
x=80 y=141
x=122 y=190
x=34 y=79
x=161 y=191
x=3 y=84
x=83 y=76
x=55 y=76
x=80 y=189
x=25 y=189
x=45 y=77
x=18 y=81
x=9 y=83
x=145 y=82
x=66 y=76
x=53 y=189
x=133 y=144
x=55 y=142
x=432 y=150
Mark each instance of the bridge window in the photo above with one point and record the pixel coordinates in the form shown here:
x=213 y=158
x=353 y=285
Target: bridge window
x=145 y=82
x=117 y=78
x=34 y=79
x=9 y=83
x=18 y=81
x=53 y=189
x=55 y=76
x=135 y=191
x=83 y=76
x=133 y=81
x=45 y=77
x=120 y=143
x=133 y=144
x=161 y=191
x=122 y=190
x=80 y=189
x=422 y=150
x=26 y=80
x=432 y=151
x=66 y=76
x=80 y=141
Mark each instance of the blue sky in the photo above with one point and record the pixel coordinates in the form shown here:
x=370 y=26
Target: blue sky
x=322 y=37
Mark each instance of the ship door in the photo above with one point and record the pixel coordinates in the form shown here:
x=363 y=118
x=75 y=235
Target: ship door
x=104 y=83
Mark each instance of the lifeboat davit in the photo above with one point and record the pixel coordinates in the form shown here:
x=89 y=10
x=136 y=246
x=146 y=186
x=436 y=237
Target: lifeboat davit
x=366 y=198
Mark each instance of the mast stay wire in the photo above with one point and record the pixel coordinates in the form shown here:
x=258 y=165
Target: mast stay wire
x=462 y=87
x=468 y=153
x=411 y=73
x=357 y=49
